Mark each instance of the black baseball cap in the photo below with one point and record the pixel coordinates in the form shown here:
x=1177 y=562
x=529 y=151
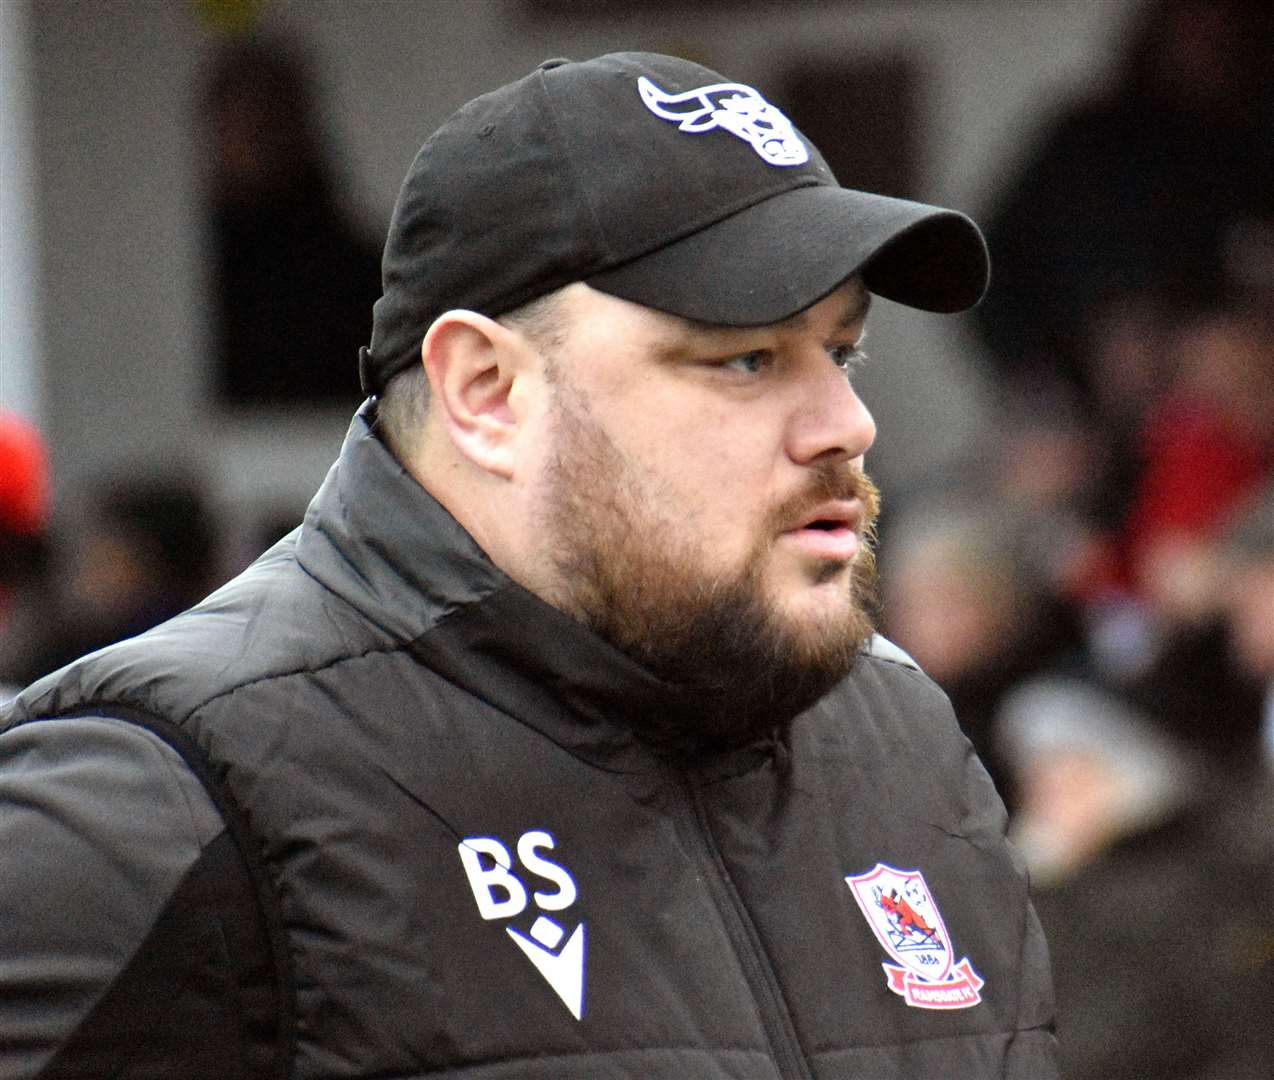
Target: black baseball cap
x=658 y=181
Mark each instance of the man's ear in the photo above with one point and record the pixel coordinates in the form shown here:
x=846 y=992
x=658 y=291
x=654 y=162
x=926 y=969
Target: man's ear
x=472 y=362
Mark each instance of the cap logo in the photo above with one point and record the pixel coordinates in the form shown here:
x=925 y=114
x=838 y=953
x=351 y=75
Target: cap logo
x=736 y=108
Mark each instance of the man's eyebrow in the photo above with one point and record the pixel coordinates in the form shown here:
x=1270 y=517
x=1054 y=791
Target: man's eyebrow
x=857 y=311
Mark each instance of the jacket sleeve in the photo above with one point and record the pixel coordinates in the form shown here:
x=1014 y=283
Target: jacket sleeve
x=1032 y=1053
x=101 y=826
x=1032 y=1049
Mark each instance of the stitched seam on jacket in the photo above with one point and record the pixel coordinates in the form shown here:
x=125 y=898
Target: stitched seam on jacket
x=258 y=868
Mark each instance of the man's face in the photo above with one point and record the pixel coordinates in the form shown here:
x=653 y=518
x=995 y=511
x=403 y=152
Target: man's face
x=703 y=502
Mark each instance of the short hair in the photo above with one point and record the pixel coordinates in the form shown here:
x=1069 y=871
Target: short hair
x=404 y=402
x=401 y=409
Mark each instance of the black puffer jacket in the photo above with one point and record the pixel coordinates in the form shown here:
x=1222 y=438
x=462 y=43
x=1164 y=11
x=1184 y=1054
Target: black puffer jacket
x=423 y=841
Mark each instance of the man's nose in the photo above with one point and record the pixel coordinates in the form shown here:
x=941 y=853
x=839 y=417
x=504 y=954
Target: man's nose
x=830 y=420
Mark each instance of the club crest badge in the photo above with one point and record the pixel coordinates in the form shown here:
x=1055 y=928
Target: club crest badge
x=905 y=919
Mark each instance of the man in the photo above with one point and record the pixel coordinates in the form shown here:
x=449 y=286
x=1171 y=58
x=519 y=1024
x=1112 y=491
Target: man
x=555 y=742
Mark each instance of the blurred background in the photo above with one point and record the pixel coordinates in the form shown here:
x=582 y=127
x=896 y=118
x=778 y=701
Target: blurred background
x=1078 y=537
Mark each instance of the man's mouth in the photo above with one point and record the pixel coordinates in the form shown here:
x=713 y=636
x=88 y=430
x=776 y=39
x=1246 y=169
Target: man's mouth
x=830 y=530
x=832 y=515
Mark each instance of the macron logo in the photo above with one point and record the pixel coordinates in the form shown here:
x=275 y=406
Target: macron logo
x=501 y=894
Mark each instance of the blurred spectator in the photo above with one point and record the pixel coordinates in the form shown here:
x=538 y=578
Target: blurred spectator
x=1138 y=374
x=1247 y=576
x=962 y=600
x=24 y=484
x=1157 y=915
x=1125 y=528
x=146 y=550
x=295 y=275
x=1195 y=689
x=1091 y=772
x=1051 y=472
x=24 y=513
x=1154 y=607
x=1128 y=202
x=1204 y=448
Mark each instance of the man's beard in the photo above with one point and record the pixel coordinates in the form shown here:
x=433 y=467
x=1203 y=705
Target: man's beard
x=741 y=667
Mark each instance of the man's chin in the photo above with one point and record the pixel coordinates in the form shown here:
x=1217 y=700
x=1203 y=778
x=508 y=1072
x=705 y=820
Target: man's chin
x=820 y=612
x=815 y=602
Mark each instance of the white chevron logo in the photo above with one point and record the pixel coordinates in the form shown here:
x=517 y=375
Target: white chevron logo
x=564 y=969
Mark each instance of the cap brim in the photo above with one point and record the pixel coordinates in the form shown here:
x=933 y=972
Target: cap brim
x=772 y=260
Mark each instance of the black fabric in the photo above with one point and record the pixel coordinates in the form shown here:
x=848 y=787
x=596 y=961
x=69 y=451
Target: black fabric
x=217 y=961
x=203 y=973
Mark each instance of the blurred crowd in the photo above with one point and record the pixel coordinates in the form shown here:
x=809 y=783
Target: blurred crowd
x=142 y=550
x=1095 y=592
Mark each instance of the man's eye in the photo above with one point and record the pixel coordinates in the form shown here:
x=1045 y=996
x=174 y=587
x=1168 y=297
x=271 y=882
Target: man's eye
x=750 y=363
x=847 y=357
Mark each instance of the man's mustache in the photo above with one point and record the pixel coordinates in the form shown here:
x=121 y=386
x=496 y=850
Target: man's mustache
x=830 y=483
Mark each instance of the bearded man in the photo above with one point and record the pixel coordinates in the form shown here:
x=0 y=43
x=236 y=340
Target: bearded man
x=556 y=742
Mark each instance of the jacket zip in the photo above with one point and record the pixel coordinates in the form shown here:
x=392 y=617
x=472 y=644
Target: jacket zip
x=776 y=1018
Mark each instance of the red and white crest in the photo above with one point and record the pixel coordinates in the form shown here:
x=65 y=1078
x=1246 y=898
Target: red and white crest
x=903 y=915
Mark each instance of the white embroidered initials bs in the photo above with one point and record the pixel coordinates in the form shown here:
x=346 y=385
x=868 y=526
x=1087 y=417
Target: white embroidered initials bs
x=501 y=894
x=734 y=107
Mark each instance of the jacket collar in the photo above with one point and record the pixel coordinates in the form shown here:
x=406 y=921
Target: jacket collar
x=380 y=541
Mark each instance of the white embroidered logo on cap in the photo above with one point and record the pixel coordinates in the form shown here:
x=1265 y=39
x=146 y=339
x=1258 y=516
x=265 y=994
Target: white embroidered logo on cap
x=738 y=109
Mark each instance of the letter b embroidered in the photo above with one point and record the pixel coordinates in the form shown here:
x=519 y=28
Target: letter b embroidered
x=485 y=880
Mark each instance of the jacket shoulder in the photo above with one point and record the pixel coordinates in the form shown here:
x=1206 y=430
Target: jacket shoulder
x=890 y=676
x=272 y=621
x=880 y=647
